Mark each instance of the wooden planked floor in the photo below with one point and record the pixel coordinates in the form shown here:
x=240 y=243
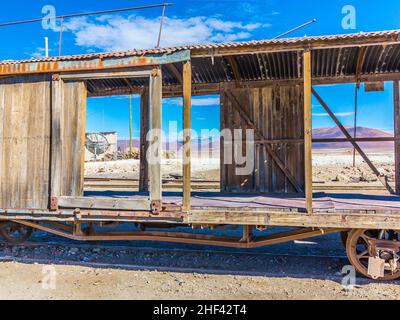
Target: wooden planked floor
x=323 y=202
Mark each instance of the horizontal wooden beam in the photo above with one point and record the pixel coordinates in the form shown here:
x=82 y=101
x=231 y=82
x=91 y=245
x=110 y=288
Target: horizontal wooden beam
x=328 y=140
x=99 y=75
x=279 y=141
x=361 y=220
x=335 y=140
x=218 y=88
x=104 y=203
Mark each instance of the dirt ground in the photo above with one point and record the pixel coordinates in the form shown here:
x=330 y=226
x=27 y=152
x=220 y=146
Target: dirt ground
x=328 y=166
x=21 y=281
x=337 y=166
x=206 y=168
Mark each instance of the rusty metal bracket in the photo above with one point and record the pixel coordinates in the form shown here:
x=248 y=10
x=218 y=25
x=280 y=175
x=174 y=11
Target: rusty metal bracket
x=156 y=207
x=247 y=234
x=385 y=245
x=53 y=204
x=156 y=72
x=77 y=230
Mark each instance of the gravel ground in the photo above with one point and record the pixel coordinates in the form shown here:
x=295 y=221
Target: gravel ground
x=22 y=281
x=329 y=166
x=309 y=269
x=339 y=167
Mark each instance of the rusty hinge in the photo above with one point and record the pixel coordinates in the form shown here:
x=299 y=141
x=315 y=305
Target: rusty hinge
x=156 y=207
x=53 y=204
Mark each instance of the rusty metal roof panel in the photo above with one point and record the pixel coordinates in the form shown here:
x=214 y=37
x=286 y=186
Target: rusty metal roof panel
x=391 y=35
x=207 y=70
x=382 y=59
x=334 y=62
x=328 y=62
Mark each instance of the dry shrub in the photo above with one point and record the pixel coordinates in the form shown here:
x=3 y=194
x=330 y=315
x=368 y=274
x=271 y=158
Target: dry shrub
x=132 y=154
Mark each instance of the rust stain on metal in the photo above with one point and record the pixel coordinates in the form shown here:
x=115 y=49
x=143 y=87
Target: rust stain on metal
x=53 y=204
x=156 y=207
x=67 y=64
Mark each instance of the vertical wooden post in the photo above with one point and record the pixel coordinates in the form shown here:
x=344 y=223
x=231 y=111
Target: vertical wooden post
x=144 y=145
x=222 y=144
x=396 y=95
x=83 y=105
x=130 y=126
x=56 y=141
x=155 y=153
x=308 y=130
x=187 y=104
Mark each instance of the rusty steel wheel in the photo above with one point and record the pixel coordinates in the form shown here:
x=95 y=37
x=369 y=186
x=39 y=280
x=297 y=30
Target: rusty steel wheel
x=15 y=233
x=359 y=251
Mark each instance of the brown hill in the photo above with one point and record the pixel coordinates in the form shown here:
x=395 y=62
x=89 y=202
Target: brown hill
x=320 y=133
x=362 y=132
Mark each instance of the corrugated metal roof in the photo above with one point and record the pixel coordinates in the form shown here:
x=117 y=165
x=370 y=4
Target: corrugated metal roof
x=333 y=63
x=329 y=60
x=391 y=35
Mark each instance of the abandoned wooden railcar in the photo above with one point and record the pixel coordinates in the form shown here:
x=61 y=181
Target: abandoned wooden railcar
x=265 y=86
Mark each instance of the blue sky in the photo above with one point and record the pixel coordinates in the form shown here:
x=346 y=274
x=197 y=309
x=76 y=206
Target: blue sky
x=194 y=21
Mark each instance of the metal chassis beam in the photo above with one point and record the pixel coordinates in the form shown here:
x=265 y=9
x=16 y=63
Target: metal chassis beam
x=349 y=219
x=180 y=237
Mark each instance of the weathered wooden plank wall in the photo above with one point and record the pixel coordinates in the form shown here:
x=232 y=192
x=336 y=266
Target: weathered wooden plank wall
x=73 y=116
x=25 y=142
x=277 y=112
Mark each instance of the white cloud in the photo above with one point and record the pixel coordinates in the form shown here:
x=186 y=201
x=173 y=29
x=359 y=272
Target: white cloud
x=38 y=53
x=114 y=33
x=339 y=114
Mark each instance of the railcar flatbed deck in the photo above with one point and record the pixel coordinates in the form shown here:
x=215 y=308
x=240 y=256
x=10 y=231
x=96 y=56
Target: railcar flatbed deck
x=330 y=210
x=323 y=202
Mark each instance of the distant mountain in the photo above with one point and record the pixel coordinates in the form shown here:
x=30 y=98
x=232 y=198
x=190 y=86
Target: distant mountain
x=203 y=143
x=362 y=132
x=124 y=144
x=320 y=133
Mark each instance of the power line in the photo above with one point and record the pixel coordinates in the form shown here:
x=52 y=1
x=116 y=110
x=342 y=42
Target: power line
x=295 y=29
x=72 y=15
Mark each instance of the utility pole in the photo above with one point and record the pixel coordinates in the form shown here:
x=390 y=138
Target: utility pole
x=46 y=46
x=130 y=126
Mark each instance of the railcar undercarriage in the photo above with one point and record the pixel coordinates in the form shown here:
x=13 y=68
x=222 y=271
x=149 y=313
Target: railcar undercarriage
x=373 y=253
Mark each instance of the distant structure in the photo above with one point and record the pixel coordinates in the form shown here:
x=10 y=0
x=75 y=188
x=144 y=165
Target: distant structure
x=101 y=146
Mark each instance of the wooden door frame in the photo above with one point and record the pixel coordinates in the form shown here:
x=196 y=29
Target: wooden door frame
x=154 y=203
